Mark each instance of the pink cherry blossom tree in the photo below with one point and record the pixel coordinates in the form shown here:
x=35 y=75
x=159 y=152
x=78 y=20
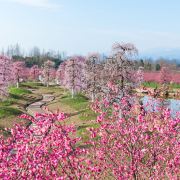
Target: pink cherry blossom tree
x=5 y=74
x=48 y=72
x=34 y=72
x=26 y=74
x=138 y=145
x=18 y=72
x=129 y=142
x=52 y=154
x=119 y=73
x=53 y=74
x=60 y=74
x=73 y=79
x=121 y=66
x=92 y=75
x=140 y=76
x=176 y=78
x=165 y=75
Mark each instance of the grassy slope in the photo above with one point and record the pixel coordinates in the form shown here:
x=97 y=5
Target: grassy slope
x=154 y=85
x=85 y=116
x=15 y=105
x=78 y=109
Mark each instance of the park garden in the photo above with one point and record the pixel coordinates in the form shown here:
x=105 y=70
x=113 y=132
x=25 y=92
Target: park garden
x=89 y=118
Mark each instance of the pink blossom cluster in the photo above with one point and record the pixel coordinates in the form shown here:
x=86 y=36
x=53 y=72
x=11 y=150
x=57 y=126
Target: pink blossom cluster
x=51 y=154
x=129 y=143
x=48 y=72
x=11 y=73
x=70 y=74
x=134 y=143
x=5 y=74
x=34 y=73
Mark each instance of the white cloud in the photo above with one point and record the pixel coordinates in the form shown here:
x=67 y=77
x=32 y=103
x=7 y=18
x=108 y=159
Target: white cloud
x=37 y=3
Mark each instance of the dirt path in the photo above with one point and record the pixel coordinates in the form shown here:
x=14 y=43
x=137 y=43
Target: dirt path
x=36 y=107
x=51 y=102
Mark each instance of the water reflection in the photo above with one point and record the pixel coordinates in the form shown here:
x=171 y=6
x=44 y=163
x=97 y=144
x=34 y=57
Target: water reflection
x=151 y=104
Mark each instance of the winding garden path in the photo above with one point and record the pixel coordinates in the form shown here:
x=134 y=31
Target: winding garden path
x=51 y=102
x=36 y=107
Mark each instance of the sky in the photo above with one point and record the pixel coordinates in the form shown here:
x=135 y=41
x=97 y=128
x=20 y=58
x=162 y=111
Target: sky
x=83 y=26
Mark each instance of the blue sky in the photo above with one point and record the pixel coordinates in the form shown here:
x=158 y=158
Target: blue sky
x=82 y=26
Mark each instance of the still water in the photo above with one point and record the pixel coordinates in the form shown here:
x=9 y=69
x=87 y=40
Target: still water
x=152 y=104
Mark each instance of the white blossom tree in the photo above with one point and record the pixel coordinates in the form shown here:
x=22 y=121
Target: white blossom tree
x=48 y=72
x=74 y=76
x=5 y=74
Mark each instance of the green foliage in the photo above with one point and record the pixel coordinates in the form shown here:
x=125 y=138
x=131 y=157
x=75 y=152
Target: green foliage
x=151 y=84
x=4 y=132
x=82 y=131
x=31 y=85
x=158 y=67
x=148 y=66
x=142 y=63
x=87 y=115
x=57 y=62
x=81 y=104
x=79 y=101
x=38 y=60
x=7 y=102
x=9 y=111
x=18 y=91
x=175 y=86
x=87 y=126
x=156 y=85
x=30 y=61
x=16 y=103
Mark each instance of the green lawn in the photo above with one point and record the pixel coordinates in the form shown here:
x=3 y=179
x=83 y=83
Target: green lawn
x=18 y=91
x=14 y=105
x=175 y=86
x=79 y=110
x=78 y=107
x=79 y=101
x=9 y=111
x=151 y=84
x=157 y=85
x=31 y=85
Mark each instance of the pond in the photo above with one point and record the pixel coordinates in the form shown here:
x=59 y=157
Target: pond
x=152 y=104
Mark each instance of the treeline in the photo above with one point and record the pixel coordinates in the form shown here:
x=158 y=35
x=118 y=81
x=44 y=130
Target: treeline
x=38 y=60
x=35 y=56
x=157 y=64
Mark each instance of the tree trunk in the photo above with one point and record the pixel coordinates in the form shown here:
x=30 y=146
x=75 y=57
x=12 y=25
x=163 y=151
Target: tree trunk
x=120 y=113
x=72 y=92
x=17 y=84
x=92 y=97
